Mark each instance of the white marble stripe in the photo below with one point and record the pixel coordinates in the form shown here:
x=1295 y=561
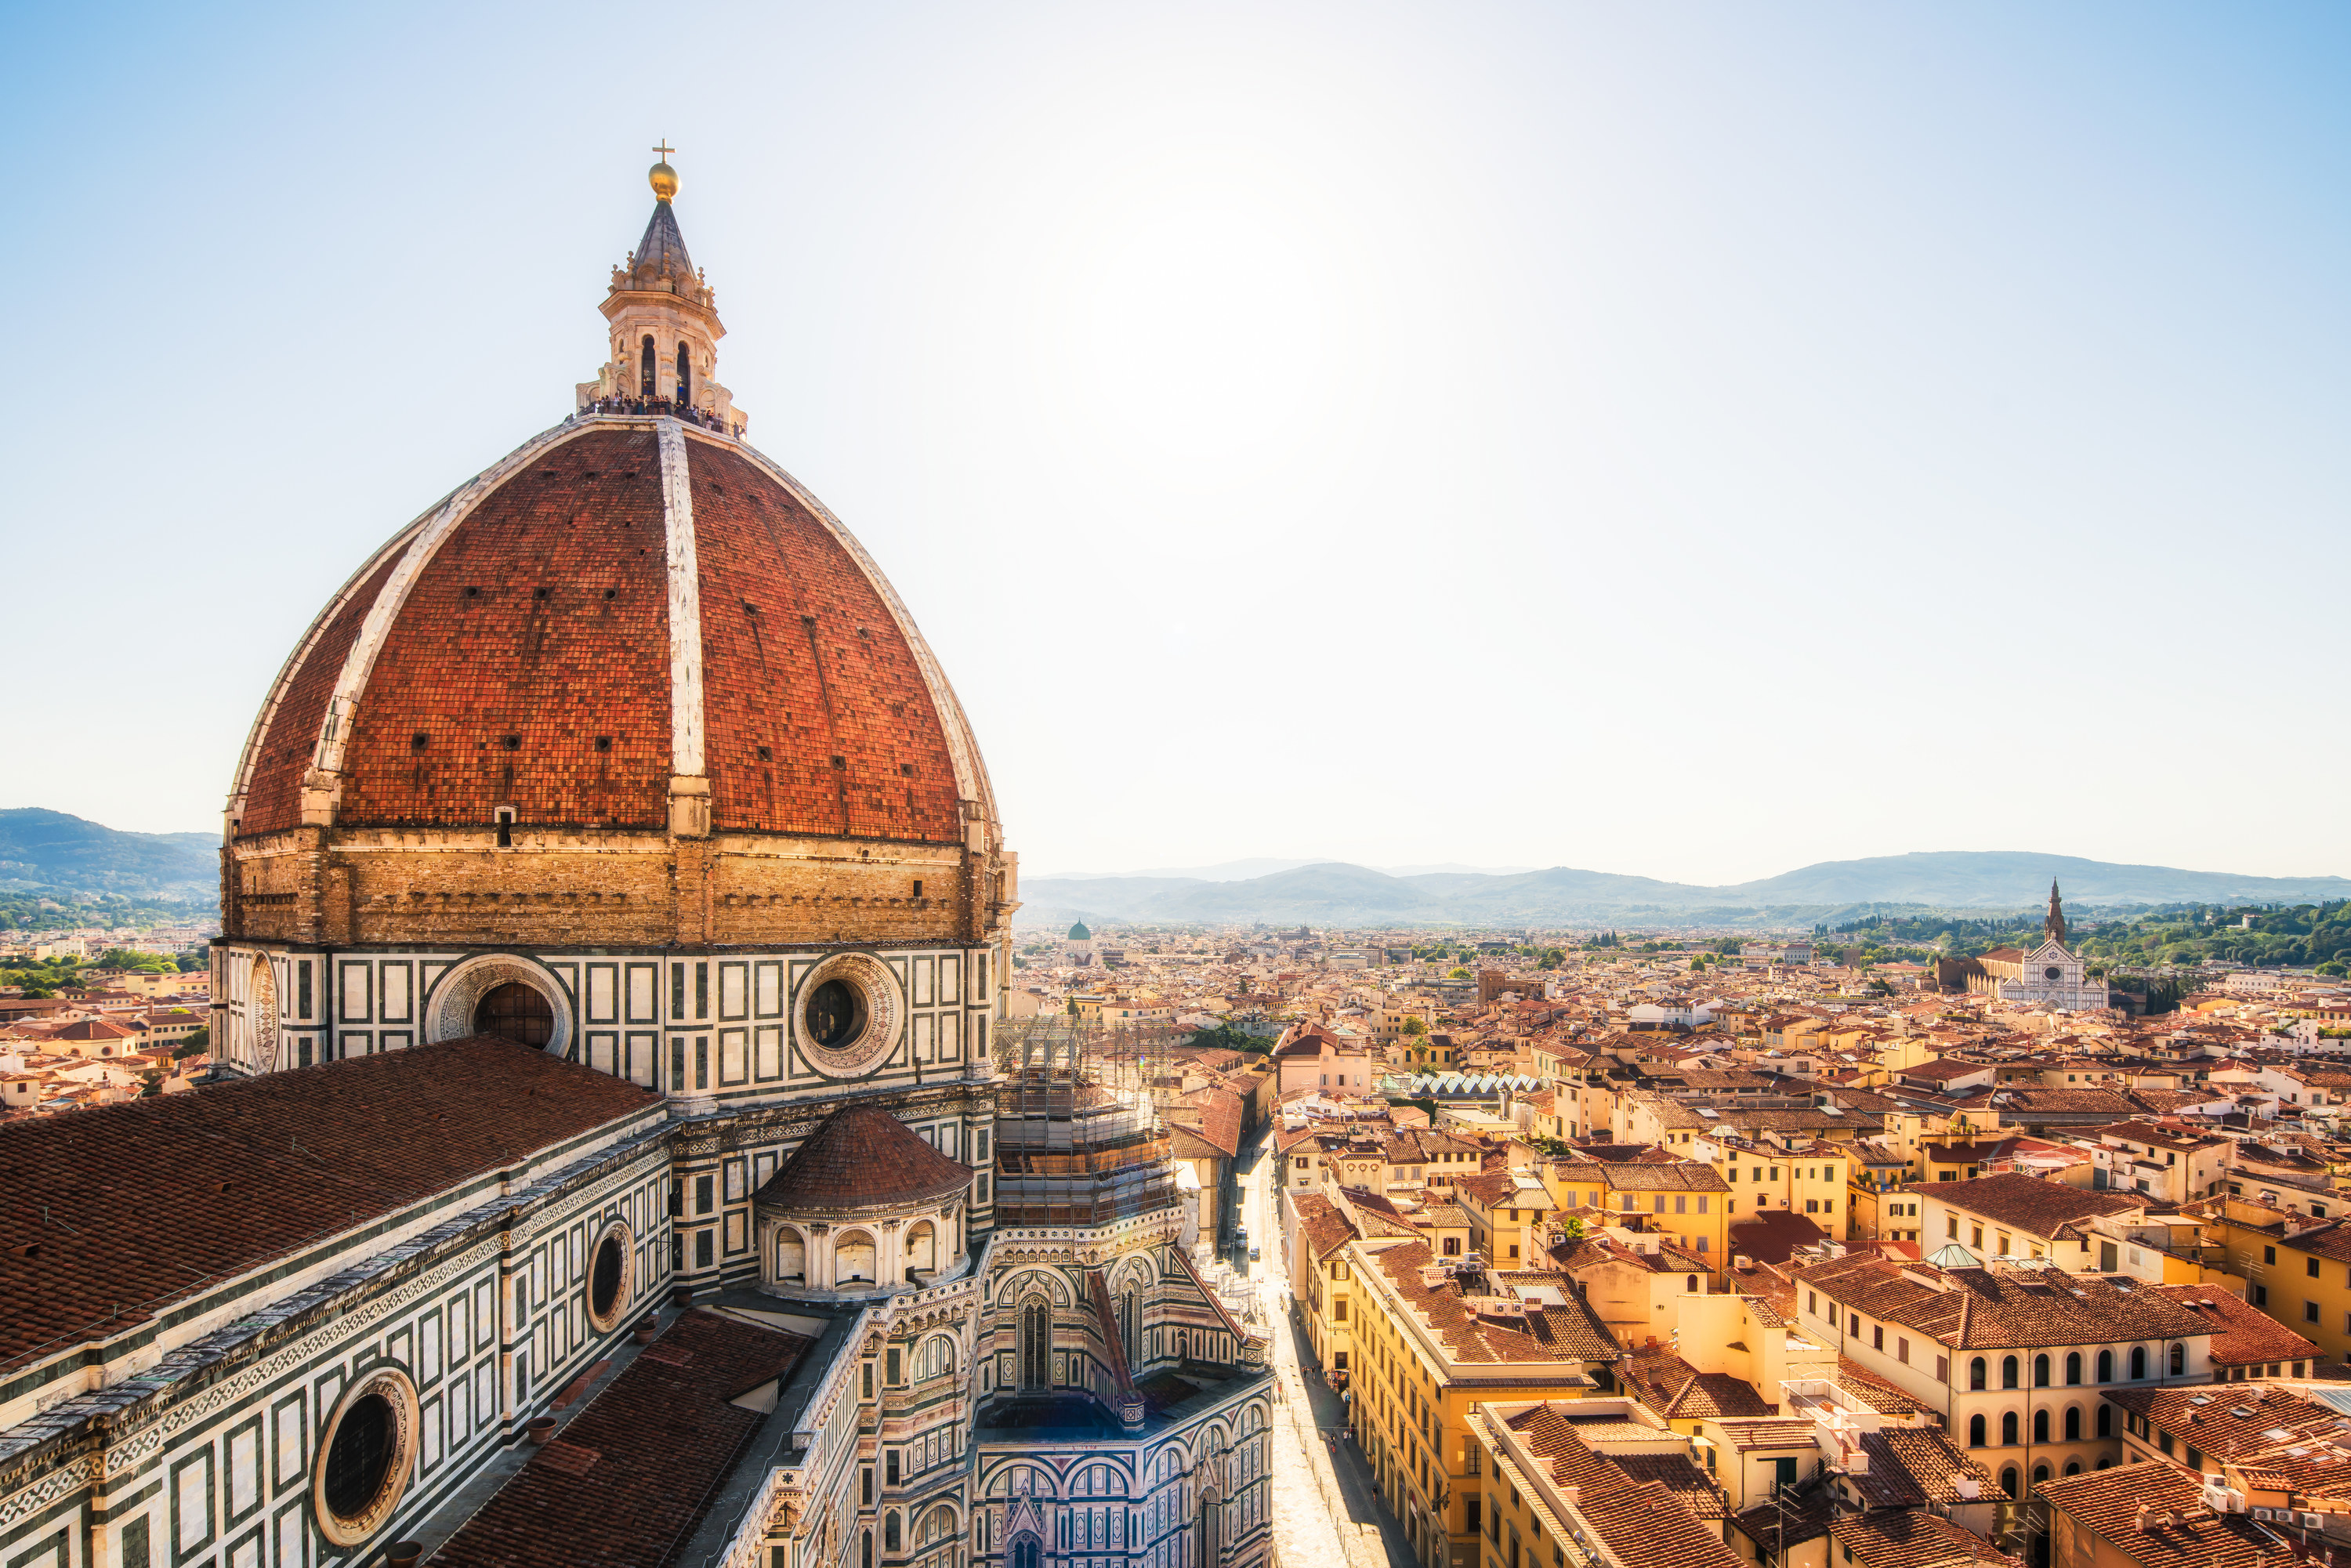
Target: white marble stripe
x=685 y=606
x=334 y=730
x=301 y=657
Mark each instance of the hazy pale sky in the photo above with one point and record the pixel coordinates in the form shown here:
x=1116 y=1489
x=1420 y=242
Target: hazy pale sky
x=1692 y=440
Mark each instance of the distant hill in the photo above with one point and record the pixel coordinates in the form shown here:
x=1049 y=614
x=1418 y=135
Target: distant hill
x=52 y=850
x=1333 y=894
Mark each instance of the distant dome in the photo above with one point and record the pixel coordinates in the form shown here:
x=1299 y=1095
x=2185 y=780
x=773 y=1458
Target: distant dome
x=1079 y=933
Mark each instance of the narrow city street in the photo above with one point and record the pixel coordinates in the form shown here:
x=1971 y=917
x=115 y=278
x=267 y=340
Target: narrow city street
x=1328 y=1510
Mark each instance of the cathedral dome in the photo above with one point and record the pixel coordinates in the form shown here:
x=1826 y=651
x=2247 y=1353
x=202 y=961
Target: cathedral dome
x=622 y=602
x=641 y=665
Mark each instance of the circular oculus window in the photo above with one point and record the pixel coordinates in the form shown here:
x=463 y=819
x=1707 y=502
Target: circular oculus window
x=610 y=1267
x=364 y=1456
x=847 y=1014
x=2053 y=973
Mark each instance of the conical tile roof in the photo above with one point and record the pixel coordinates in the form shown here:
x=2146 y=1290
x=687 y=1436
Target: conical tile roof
x=863 y=1157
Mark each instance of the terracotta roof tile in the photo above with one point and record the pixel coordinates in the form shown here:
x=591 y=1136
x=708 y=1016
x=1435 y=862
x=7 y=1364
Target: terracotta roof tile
x=2242 y=1335
x=2107 y=1503
x=628 y=1479
x=863 y=1157
x=258 y=1168
x=1917 y=1540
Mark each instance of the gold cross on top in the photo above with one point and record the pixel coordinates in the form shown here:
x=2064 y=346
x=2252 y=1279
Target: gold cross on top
x=664 y=149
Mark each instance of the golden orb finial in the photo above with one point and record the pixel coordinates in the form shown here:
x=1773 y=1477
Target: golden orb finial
x=664 y=177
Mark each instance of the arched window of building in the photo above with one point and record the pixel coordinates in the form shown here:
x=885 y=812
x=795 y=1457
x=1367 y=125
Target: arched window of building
x=1126 y=1331
x=2040 y=1474
x=2105 y=1422
x=1975 y=1431
x=2040 y=1372
x=890 y=1539
x=2007 y=1479
x=2073 y=1423
x=2008 y=1372
x=2105 y=1366
x=922 y=1252
x=648 y=381
x=1976 y=1373
x=2008 y=1431
x=2138 y=1361
x=791 y=1256
x=1036 y=1343
x=2041 y=1425
x=684 y=375
x=1025 y=1551
x=1211 y=1549
x=2178 y=1360
x=865 y=1549
x=2072 y=1466
x=2073 y=1367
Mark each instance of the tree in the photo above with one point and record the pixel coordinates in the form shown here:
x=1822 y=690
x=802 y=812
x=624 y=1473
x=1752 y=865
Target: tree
x=1459 y=973
x=1414 y=1026
x=196 y=1044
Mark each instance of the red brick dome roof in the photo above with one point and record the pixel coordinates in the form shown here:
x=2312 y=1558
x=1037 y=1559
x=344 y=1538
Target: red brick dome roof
x=863 y=1157
x=622 y=601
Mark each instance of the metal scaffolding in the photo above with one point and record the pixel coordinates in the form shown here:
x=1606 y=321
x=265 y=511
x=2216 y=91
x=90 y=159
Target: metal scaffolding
x=1078 y=1135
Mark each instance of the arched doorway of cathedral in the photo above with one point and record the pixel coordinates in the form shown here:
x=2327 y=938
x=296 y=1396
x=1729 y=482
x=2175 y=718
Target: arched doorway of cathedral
x=1027 y=1551
x=517 y=1012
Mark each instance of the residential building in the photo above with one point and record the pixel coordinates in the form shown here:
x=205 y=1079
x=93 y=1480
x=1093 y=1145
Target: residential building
x=2012 y=1216
x=1683 y=1201
x=2018 y=1358
x=1433 y=1341
x=1595 y=1481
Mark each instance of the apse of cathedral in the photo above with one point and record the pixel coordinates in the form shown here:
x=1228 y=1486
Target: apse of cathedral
x=618 y=1164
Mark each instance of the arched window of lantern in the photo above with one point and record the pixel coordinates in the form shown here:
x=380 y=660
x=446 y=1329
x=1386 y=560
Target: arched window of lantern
x=648 y=371
x=684 y=374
